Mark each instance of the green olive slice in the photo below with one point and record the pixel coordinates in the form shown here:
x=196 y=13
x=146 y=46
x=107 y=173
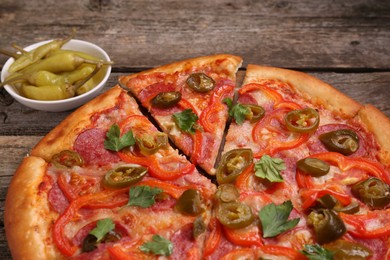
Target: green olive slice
x=235 y=215
x=124 y=176
x=200 y=82
x=166 y=99
x=313 y=167
x=232 y=164
x=343 y=141
x=373 y=192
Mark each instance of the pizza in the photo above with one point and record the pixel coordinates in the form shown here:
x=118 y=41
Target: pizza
x=180 y=162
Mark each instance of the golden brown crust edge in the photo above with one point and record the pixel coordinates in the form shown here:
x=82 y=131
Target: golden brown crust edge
x=378 y=124
x=27 y=214
x=232 y=67
x=310 y=87
x=63 y=135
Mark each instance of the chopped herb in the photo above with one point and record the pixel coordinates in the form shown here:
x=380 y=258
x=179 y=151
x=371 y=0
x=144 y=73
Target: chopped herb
x=158 y=246
x=317 y=252
x=186 y=120
x=115 y=142
x=274 y=219
x=143 y=196
x=103 y=226
x=269 y=168
x=239 y=112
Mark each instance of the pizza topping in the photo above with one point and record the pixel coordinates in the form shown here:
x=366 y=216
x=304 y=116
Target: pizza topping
x=317 y=252
x=149 y=144
x=116 y=142
x=269 y=168
x=313 y=167
x=302 y=120
x=232 y=164
x=186 y=120
x=274 y=219
x=200 y=82
x=124 y=176
x=103 y=227
x=237 y=111
x=166 y=99
x=158 y=246
x=328 y=226
x=90 y=145
x=343 y=249
x=256 y=113
x=330 y=202
x=227 y=193
x=235 y=215
x=344 y=141
x=189 y=203
x=199 y=227
x=143 y=196
x=67 y=159
x=373 y=192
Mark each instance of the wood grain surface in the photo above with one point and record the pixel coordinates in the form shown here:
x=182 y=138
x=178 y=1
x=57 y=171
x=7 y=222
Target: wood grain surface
x=344 y=43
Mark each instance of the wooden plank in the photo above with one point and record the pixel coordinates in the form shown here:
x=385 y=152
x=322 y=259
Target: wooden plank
x=351 y=34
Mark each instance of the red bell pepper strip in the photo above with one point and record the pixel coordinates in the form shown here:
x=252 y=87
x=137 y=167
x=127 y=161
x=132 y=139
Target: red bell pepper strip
x=197 y=140
x=283 y=251
x=273 y=145
x=65 y=245
x=275 y=96
x=360 y=223
x=243 y=180
x=346 y=163
x=221 y=93
x=241 y=253
x=170 y=167
x=209 y=118
x=214 y=237
x=309 y=196
x=249 y=236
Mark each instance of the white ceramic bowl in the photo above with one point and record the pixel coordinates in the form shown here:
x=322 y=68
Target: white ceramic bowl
x=65 y=104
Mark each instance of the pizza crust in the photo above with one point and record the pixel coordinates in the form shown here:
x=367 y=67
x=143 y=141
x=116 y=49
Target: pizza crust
x=378 y=124
x=27 y=216
x=233 y=63
x=315 y=90
x=62 y=137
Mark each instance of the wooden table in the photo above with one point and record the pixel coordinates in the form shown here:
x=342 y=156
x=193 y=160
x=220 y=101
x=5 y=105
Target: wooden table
x=345 y=43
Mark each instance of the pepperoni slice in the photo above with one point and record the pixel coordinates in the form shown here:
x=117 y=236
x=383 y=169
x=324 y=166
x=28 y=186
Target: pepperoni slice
x=90 y=145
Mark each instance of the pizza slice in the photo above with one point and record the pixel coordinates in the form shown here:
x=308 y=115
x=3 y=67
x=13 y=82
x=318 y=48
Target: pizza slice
x=105 y=183
x=185 y=99
x=301 y=172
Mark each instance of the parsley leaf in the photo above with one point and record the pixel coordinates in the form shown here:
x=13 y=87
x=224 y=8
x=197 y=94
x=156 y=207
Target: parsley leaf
x=115 y=142
x=158 y=246
x=317 y=252
x=274 y=219
x=269 y=168
x=186 y=120
x=142 y=196
x=238 y=112
x=103 y=226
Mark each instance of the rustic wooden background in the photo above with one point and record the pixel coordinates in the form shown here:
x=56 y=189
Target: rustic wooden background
x=345 y=43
